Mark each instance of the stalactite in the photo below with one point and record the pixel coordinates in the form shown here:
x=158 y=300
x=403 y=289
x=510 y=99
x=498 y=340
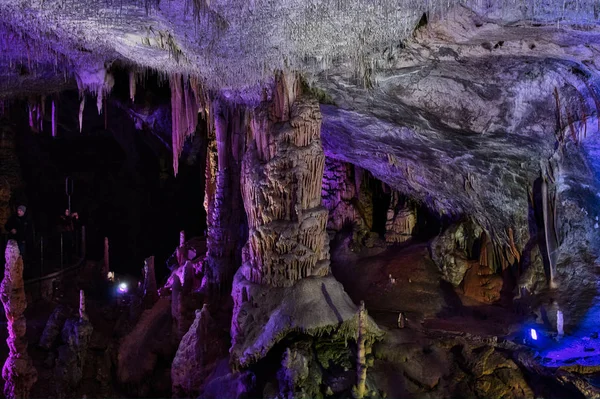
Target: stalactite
x=132 y=85
x=53 y=118
x=184 y=114
x=549 y=234
x=81 y=108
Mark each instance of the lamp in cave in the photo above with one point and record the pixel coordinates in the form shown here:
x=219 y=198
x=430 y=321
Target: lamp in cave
x=111 y=276
x=122 y=288
x=533 y=334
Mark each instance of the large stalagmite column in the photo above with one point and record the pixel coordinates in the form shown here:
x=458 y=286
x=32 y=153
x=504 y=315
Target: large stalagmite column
x=281 y=185
x=223 y=200
x=18 y=371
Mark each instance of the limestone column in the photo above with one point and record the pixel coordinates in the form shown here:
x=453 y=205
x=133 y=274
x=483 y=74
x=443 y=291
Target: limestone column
x=18 y=371
x=223 y=202
x=281 y=187
x=150 y=290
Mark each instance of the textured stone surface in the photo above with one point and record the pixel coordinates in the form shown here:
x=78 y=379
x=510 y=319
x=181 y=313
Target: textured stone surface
x=401 y=220
x=281 y=186
x=54 y=326
x=197 y=355
x=18 y=372
x=10 y=172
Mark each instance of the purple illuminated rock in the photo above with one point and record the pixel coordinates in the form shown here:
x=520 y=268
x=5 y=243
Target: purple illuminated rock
x=18 y=372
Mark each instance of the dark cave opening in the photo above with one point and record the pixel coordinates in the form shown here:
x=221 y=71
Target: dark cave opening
x=123 y=182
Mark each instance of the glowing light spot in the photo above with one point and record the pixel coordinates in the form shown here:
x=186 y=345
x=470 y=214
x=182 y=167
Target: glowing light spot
x=122 y=287
x=533 y=334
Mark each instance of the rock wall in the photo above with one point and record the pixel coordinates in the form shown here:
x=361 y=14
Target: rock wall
x=281 y=187
x=18 y=371
x=10 y=173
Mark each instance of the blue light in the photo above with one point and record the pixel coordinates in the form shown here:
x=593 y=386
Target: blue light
x=533 y=334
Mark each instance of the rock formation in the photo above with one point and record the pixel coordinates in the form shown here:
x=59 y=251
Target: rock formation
x=54 y=326
x=401 y=220
x=72 y=355
x=223 y=198
x=281 y=186
x=10 y=173
x=337 y=194
x=149 y=288
x=18 y=371
x=196 y=357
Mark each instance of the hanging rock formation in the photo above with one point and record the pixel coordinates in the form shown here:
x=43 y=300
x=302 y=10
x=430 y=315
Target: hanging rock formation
x=18 y=371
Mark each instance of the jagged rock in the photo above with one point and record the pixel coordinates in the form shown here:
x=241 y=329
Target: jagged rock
x=196 y=356
x=451 y=250
x=480 y=284
x=54 y=326
x=299 y=376
x=18 y=371
x=72 y=356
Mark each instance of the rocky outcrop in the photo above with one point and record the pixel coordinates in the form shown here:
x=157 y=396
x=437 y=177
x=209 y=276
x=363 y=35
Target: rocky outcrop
x=54 y=326
x=182 y=300
x=18 y=372
x=196 y=356
x=454 y=249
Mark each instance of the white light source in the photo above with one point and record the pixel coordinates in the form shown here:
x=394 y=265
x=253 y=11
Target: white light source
x=533 y=334
x=123 y=287
x=111 y=276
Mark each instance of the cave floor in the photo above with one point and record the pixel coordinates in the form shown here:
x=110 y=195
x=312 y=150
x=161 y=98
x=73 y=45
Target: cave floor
x=418 y=291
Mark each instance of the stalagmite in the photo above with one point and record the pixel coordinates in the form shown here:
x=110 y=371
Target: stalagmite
x=82 y=314
x=150 y=290
x=281 y=186
x=181 y=238
x=18 y=371
x=223 y=196
x=401 y=220
x=106 y=263
x=361 y=364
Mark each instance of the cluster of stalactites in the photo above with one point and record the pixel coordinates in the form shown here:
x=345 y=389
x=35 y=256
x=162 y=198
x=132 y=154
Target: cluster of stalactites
x=187 y=100
x=98 y=82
